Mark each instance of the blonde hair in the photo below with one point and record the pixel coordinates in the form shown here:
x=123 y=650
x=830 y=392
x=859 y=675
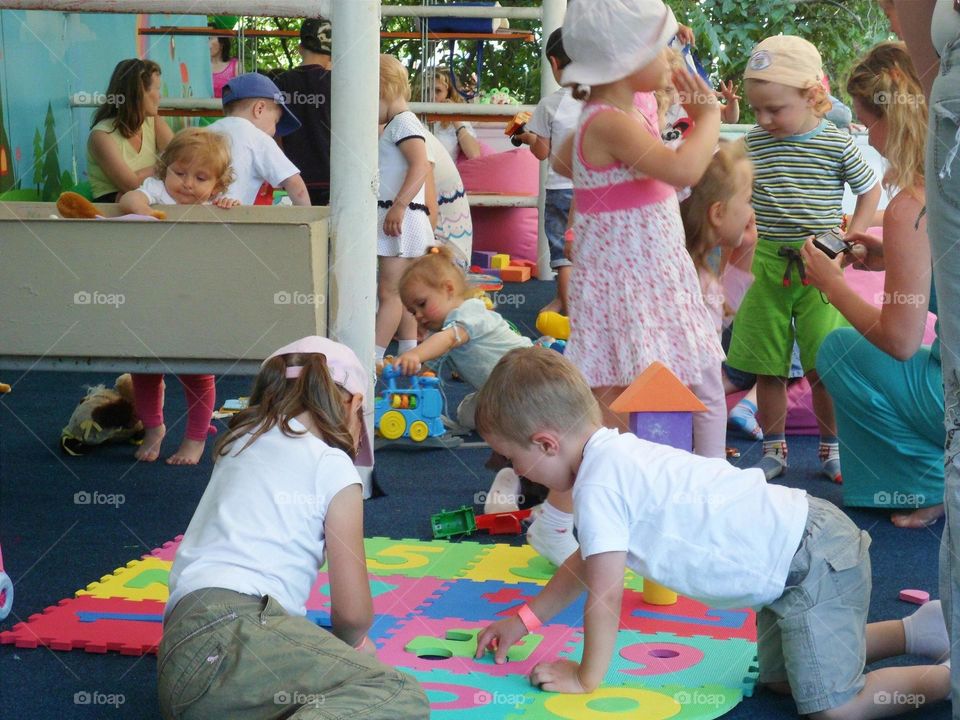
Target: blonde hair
x=394 y=81
x=533 y=389
x=665 y=96
x=885 y=82
x=816 y=92
x=432 y=271
x=196 y=145
x=427 y=80
x=718 y=185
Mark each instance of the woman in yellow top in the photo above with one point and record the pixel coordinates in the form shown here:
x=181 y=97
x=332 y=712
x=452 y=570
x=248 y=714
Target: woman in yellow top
x=126 y=134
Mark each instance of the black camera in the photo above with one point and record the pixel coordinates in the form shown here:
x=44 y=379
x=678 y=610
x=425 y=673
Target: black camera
x=831 y=243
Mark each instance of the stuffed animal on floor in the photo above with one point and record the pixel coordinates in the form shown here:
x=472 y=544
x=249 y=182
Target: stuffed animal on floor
x=104 y=415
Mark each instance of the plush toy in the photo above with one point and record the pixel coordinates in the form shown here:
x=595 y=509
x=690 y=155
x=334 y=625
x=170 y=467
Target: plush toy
x=104 y=415
x=72 y=205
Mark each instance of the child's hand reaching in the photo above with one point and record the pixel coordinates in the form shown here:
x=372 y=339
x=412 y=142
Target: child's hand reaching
x=500 y=637
x=695 y=95
x=226 y=202
x=393 y=222
x=562 y=676
x=408 y=363
x=728 y=91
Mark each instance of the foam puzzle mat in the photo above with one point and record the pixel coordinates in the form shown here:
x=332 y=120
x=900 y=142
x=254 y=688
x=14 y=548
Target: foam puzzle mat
x=684 y=661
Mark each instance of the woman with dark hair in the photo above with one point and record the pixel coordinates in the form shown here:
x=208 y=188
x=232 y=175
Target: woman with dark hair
x=126 y=134
x=223 y=68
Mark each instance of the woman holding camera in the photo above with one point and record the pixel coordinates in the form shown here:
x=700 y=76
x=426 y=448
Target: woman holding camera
x=887 y=389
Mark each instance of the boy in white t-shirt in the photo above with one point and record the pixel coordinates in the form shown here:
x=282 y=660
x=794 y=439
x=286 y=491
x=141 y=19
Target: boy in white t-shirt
x=554 y=119
x=713 y=532
x=255 y=112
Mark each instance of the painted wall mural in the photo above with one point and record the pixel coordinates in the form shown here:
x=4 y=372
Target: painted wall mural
x=47 y=57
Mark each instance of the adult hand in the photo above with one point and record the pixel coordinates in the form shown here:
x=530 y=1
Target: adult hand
x=562 y=676
x=393 y=222
x=822 y=272
x=500 y=637
x=867 y=251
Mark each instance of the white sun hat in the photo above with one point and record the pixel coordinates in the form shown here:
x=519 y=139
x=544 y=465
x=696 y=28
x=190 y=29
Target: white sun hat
x=610 y=39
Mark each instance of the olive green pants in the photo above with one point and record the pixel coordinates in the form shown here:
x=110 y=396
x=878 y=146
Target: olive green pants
x=229 y=655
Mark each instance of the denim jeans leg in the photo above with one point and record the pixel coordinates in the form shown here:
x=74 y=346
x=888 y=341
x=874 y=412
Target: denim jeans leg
x=943 y=228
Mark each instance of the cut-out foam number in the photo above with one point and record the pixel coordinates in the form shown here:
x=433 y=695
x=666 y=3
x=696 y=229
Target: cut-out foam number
x=661 y=658
x=614 y=703
x=402 y=557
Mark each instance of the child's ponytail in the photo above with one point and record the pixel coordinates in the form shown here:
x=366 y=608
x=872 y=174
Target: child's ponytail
x=276 y=399
x=433 y=270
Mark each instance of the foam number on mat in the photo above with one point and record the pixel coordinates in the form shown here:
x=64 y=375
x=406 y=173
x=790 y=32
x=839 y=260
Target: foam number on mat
x=402 y=557
x=614 y=703
x=660 y=658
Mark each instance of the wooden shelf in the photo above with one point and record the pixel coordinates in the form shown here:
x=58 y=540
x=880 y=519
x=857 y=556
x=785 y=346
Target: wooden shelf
x=213 y=32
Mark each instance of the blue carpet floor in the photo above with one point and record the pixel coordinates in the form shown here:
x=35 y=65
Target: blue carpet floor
x=53 y=546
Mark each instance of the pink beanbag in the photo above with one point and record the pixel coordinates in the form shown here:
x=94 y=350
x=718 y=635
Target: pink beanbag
x=504 y=230
x=800 y=417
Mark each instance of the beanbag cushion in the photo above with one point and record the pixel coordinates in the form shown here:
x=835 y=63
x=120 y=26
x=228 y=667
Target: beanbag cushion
x=504 y=230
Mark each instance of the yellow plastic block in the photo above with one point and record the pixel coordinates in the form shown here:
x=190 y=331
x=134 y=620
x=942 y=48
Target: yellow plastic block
x=500 y=261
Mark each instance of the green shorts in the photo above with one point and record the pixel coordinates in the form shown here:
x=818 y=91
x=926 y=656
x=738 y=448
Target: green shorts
x=772 y=316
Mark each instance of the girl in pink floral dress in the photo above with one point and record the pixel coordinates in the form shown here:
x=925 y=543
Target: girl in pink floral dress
x=635 y=297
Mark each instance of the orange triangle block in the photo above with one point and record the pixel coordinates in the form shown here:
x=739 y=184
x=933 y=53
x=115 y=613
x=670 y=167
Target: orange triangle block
x=657 y=389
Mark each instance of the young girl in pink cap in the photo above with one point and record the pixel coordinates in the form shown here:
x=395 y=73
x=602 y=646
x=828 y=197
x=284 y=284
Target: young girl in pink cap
x=635 y=294
x=284 y=496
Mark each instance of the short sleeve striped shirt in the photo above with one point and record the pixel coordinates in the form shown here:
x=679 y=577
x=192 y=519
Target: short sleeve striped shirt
x=798 y=181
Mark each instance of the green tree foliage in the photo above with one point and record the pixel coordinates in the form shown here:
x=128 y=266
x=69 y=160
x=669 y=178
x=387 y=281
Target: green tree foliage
x=726 y=30
x=51 y=162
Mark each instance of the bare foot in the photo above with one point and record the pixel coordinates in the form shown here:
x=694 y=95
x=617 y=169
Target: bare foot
x=553 y=306
x=149 y=449
x=924 y=517
x=189 y=453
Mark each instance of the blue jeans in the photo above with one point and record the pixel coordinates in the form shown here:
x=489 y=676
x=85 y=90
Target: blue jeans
x=943 y=227
x=555 y=224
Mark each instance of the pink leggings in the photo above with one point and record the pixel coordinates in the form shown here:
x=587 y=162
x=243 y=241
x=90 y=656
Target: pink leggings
x=710 y=427
x=199 y=390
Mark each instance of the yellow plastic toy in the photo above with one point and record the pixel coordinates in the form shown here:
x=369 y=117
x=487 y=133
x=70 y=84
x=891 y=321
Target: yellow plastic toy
x=656 y=594
x=554 y=324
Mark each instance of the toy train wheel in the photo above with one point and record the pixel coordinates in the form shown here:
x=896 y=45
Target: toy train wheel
x=419 y=431
x=392 y=425
x=6 y=595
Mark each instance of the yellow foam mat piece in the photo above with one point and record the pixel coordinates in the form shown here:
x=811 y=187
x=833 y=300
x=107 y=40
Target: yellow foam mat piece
x=138 y=580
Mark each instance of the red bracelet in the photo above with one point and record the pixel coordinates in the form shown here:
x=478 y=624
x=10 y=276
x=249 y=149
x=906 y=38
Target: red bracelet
x=530 y=621
x=568 y=235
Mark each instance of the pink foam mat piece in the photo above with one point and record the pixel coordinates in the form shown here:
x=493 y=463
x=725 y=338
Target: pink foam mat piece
x=167 y=551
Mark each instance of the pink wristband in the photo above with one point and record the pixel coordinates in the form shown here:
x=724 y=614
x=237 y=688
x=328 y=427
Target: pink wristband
x=362 y=644
x=530 y=621
x=568 y=235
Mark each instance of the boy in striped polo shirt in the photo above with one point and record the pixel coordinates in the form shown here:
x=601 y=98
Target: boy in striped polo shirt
x=801 y=163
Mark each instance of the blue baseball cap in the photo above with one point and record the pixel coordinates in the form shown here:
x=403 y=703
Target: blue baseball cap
x=255 y=85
